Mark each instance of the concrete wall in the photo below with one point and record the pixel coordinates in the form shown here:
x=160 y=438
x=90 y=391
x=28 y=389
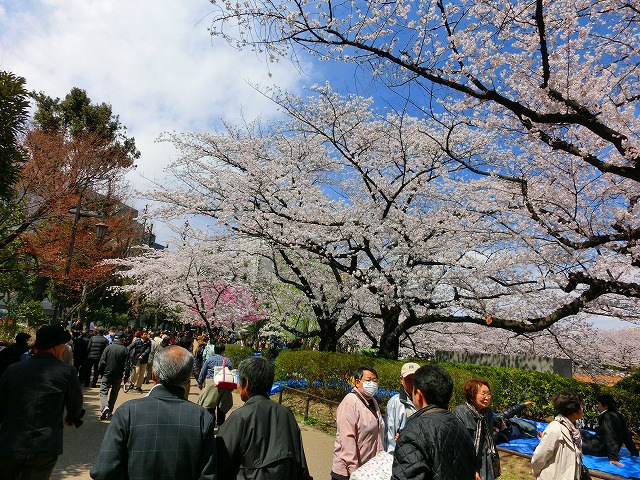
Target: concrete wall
x=559 y=366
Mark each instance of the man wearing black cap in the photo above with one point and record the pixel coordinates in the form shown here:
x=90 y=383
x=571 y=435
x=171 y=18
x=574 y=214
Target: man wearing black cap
x=114 y=365
x=13 y=352
x=33 y=397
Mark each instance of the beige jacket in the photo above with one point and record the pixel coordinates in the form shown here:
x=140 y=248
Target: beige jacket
x=556 y=457
x=359 y=435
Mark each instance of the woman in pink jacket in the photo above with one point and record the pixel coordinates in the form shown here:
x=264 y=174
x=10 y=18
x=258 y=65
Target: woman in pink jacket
x=359 y=436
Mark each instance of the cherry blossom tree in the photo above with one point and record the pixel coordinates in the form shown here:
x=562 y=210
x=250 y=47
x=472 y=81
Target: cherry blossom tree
x=550 y=87
x=301 y=287
x=383 y=200
x=561 y=74
x=619 y=347
x=203 y=280
x=575 y=339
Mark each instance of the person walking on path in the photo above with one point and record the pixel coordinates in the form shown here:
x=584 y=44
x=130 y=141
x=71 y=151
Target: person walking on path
x=217 y=400
x=97 y=344
x=155 y=346
x=34 y=395
x=360 y=427
x=261 y=440
x=400 y=406
x=139 y=350
x=13 y=353
x=161 y=435
x=114 y=366
x=433 y=444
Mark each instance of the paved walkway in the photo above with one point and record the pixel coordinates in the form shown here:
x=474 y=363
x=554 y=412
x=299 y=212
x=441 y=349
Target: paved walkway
x=81 y=445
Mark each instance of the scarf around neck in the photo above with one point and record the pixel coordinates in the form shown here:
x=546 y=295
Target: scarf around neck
x=573 y=431
x=481 y=429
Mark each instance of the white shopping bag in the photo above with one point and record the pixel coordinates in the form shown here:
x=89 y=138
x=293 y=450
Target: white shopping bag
x=378 y=468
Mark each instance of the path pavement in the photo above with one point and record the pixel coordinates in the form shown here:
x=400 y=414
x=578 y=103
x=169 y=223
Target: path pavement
x=81 y=445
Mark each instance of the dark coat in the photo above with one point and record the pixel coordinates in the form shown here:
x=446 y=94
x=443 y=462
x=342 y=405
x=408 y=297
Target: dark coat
x=261 y=440
x=11 y=355
x=114 y=362
x=34 y=394
x=96 y=346
x=484 y=465
x=140 y=348
x=161 y=436
x=434 y=445
x=80 y=349
x=611 y=433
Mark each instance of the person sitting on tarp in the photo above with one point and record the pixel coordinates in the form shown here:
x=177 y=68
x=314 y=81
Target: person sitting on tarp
x=611 y=433
x=507 y=427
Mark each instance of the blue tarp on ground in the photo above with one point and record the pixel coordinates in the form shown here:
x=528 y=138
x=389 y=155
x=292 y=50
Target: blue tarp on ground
x=277 y=386
x=631 y=464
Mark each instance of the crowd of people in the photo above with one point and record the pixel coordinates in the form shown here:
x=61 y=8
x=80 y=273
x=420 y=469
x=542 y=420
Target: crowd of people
x=160 y=435
x=429 y=441
x=164 y=435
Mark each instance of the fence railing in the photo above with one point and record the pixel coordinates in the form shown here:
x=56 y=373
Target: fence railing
x=308 y=398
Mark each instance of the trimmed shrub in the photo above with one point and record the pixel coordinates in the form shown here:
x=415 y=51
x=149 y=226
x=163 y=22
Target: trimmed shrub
x=631 y=383
x=329 y=375
x=236 y=353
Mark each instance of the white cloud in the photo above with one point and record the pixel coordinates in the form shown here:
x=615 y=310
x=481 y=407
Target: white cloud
x=152 y=60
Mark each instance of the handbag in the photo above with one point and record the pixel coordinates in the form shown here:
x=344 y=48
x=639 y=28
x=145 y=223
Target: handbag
x=225 y=377
x=378 y=468
x=584 y=473
x=495 y=464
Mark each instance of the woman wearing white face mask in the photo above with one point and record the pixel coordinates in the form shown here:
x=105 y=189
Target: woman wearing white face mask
x=360 y=426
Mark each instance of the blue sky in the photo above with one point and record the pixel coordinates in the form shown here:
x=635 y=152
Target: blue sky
x=152 y=60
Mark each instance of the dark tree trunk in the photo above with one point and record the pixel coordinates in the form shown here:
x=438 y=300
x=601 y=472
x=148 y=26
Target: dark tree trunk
x=390 y=338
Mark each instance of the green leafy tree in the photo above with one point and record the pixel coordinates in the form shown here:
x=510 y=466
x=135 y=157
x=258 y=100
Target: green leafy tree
x=75 y=116
x=14 y=106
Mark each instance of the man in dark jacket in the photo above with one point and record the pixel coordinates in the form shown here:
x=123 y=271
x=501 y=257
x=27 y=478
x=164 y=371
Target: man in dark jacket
x=507 y=427
x=13 y=352
x=114 y=366
x=611 y=433
x=139 y=350
x=433 y=445
x=34 y=394
x=161 y=435
x=97 y=344
x=260 y=440
x=80 y=349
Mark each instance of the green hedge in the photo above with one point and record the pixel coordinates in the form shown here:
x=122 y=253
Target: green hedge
x=509 y=386
x=236 y=353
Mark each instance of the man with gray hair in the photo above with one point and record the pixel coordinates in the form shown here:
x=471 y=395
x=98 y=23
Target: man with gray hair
x=261 y=439
x=161 y=435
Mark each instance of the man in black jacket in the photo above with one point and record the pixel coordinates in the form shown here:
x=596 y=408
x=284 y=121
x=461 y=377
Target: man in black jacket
x=139 y=350
x=34 y=394
x=114 y=366
x=433 y=445
x=261 y=440
x=611 y=433
x=97 y=344
x=13 y=352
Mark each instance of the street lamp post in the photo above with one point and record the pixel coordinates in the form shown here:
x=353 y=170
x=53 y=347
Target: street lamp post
x=101 y=231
